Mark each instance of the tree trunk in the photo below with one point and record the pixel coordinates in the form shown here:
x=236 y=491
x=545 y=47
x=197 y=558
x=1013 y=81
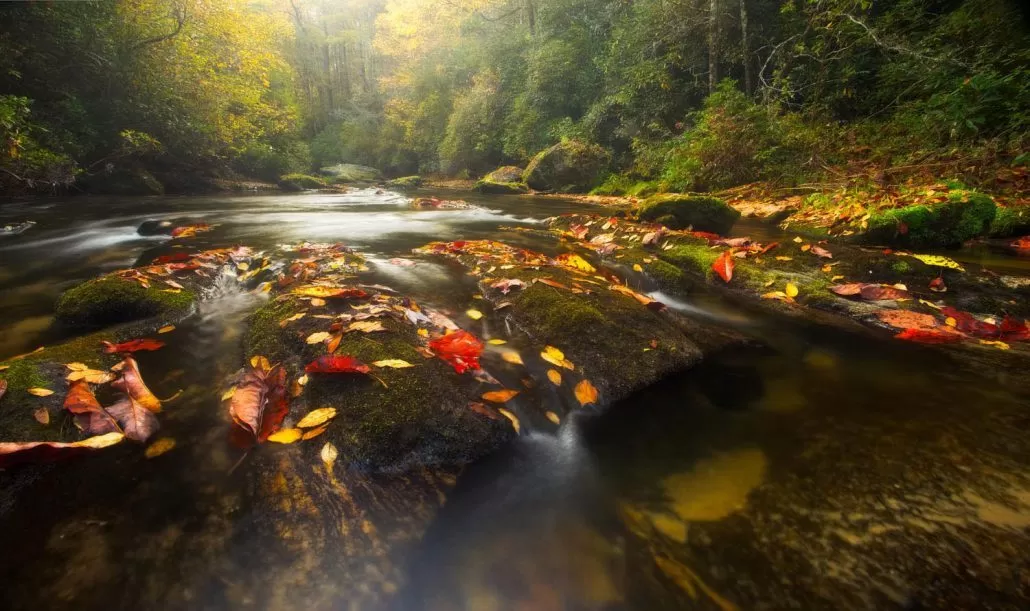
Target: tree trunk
x=531 y=17
x=713 y=46
x=749 y=77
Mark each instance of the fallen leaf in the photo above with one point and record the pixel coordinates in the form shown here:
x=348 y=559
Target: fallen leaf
x=131 y=383
x=556 y=357
x=997 y=344
x=798 y=240
x=330 y=292
x=512 y=357
x=576 y=262
x=337 y=364
x=316 y=302
x=930 y=336
x=93 y=376
x=318 y=338
x=474 y=314
x=939 y=261
x=822 y=252
x=159 y=447
x=554 y=377
x=137 y=421
x=286 y=436
x=315 y=432
x=42 y=416
x=904 y=319
x=133 y=345
x=937 y=285
x=497 y=342
x=460 y=349
x=40 y=392
x=637 y=268
x=260 y=402
x=792 y=290
x=328 y=456
x=89 y=416
x=724 y=266
x=784 y=258
x=393 y=364
x=506 y=285
x=366 y=326
x=484 y=410
x=295 y=317
x=317 y=417
x=778 y=295
x=499 y=396
x=553 y=417
x=806 y=247
x=12 y=453
x=510 y=416
x=260 y=362
x=586 y=393
x=166 y=329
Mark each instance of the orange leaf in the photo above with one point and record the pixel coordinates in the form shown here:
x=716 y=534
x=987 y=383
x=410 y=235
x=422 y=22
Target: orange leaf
x=724 y=266
x=500 y=396
x=586 y=393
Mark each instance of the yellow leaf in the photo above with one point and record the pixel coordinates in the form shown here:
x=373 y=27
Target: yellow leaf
x=510 y=416
x=792 y=290
x=586 y=393
x=4 y=367
x=556 y=357
x=553 y=417
x=784 y=258
x=554 y=377
x=393 y=364
x=328 y=456
x=999 y=345
x=951 y=322
x=295 y=317
x=806 y=248
x=317 y=417
x=500 y=396
x=474 y=314
x=637 y=268
x=497 y=342
x=228 y=394
x=798 y=240
x=939 y=261
x=930 y=304
x=260 y=362
x=836 y=278
x=312 y=433
x=574 y=261
x=286 y=436
x=366 y=326
x=40 y=392
x=768 y=284
x=423 y=333
x=512 y=357
x=77 y=366
x=303 y=380
x=166 y=329
x=780 y=295
x=159 y=447
x=318 y=338
x=316 y=302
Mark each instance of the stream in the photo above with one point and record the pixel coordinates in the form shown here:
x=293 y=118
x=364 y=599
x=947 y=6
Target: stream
x=818 y=468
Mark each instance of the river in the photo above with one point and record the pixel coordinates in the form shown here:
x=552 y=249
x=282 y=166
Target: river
x=818 y=468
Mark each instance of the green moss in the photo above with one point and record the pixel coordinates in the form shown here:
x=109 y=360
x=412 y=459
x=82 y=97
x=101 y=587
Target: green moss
x=964 y=216
x=569 y=167
x=508 y=173
x=501 y=188
x=1010 y=222
x=300 y=182
x=901 y=266
x=407 y=182
x=664 y=274
x=111 y=300
x=701 y=213
x=264 y=335
x=695 y=258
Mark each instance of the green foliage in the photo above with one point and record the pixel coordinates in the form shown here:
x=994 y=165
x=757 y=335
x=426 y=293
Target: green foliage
x=27 y=164
x=268 y=162
x=470 y=142
x=300 y=182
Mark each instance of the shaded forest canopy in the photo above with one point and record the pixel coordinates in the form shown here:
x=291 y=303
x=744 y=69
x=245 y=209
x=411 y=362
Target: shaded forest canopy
x=688 y=94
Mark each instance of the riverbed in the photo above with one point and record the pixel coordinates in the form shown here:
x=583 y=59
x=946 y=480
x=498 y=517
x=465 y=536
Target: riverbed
x=814 y=467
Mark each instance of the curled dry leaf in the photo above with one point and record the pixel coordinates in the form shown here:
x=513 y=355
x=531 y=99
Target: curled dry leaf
x=131 y=383
x=317 y=417
x=133 y=345
x=723 y=266
x=260 y=402
x=137 y=421
x=89 y=417
x=500 y=396
x=13 y=453
x=586 y=393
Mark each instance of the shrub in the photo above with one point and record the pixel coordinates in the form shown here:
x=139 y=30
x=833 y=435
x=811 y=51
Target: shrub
x=27 y=164
x=269 y=162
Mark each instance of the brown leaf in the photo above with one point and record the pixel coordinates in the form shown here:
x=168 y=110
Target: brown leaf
x=903 y=319
x=137 y=421
x=260 y=402
x=89 y=416
x=131 y=383
x=484 y=410
x=42 y=416
x=48 y=451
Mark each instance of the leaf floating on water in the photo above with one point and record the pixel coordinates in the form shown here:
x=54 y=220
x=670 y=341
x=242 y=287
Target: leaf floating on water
x=89 y=416
x=500 y=396
x=42 y=416
x=137 y=422
x=497 y=342
x=133 y=345
x=286 y=436
x=318 y=338
x=514 y=420
x=40 y=392
x=166 y=329
x=13 y=453
x=260 y=402
x=393 y=364
x=554 y=377
x=553 y=417
x=586 y=393
x=512 y=357
x=723 y=266
x=159 y=447
x=317 y=417
x=328 y=456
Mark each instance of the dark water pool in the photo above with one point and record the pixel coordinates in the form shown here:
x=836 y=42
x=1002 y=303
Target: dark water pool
x=819 y=469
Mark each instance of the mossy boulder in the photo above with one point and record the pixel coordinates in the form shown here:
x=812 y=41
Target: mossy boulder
x=568 y=167
x=406 y=182
x=417 y=416
x=349 y=172
x=485 y=185
x=508 y=173
x=300 y=182
x=682 y=211
x=1011 y=221
x=966 y=215
x=111 y=299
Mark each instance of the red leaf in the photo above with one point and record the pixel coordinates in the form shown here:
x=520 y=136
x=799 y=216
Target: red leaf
x=967 y=323
x=47 y=451
x=1014 y=330
x=724 y=266
x=822 y=252
x=3 y=388
x=927 y=336
x=767 y=248
x=131 y=383
x=705 y=235
x=260 y=401
x=460 y=350
x=1022 y=243
x=337 y=364
x=847 y=290
x=89 y=416
x=133 y=345
x=138 y=422
x=172 y=258
x=937 y=285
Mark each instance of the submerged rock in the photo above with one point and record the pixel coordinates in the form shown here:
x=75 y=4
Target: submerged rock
x=689 y=211
x=17 y=228
x=568 y=167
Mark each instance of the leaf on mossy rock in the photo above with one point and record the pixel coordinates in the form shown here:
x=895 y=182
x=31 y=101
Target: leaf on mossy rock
x=131 y=383
x=330 y=292
x=89 y=416
x=337 y=364
x=317 y=418
x=904 y=319
x=930 y=336
x=586 y=393
x=133 y=345
x=723 y=266
x=13 y=453
x=40 y=392
x=870 y=292
x=461 y=350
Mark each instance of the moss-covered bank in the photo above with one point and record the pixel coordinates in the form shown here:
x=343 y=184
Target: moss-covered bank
x=111 y=300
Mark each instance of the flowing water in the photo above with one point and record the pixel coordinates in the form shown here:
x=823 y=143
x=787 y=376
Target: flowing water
x=820 y=468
